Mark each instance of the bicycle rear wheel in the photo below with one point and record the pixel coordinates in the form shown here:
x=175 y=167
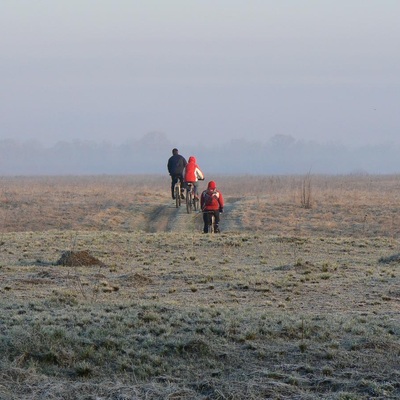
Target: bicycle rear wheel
x=211 y=225
x=189 y=201
x=177 y=195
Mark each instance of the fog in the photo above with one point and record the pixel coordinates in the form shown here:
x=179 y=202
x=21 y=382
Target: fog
x=282 y=154
x=205 y=74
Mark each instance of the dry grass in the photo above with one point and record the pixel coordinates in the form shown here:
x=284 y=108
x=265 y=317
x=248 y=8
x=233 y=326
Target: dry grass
x=287 y=303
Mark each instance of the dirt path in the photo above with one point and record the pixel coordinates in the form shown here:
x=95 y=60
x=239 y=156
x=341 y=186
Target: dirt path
x=168 y=218
x=159 y=218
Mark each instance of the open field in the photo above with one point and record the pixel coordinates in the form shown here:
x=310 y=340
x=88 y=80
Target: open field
x=288 y=302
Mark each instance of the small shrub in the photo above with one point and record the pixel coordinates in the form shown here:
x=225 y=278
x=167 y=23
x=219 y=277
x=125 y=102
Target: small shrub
x=83 y=369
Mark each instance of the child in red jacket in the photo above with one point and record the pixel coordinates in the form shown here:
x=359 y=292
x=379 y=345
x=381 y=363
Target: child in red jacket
x=193 y=174
x=212 y=203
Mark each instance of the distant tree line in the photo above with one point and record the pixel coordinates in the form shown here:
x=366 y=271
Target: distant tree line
x=281 y=154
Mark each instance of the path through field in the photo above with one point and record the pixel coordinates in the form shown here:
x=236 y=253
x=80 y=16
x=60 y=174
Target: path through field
x=168 y=218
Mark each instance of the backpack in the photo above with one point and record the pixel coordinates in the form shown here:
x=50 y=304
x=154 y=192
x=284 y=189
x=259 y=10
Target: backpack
x=210 y=198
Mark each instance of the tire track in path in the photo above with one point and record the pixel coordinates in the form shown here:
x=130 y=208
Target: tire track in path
x=168 y=218
x=158 y=217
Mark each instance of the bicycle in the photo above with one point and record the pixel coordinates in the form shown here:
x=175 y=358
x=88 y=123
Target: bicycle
x=192 y=202
x=211 y=222
x=177 y=193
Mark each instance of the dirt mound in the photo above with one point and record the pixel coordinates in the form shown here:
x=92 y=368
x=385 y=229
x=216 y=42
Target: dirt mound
x=78 y=258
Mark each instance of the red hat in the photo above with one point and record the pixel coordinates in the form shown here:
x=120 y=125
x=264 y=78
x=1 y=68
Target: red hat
x=211 y=185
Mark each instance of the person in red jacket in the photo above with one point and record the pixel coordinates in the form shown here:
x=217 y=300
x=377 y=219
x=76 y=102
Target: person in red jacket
x=211 y=202
x=193 y=174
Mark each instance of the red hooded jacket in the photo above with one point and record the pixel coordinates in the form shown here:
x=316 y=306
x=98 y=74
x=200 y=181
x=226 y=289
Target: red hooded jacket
x=192 y=171
x=211 y=199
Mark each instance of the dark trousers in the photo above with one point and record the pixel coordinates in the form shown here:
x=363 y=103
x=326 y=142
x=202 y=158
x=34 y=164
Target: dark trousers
x=174 y=179
x=207 y=219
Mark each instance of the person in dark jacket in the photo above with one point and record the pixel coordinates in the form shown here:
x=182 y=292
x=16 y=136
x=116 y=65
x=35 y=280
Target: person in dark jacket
x=211 y=202
x=176 y=165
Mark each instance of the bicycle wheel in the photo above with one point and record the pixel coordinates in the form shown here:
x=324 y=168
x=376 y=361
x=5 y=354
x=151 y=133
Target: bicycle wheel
x=189 y=201
x=177 y=195
x=211 y=225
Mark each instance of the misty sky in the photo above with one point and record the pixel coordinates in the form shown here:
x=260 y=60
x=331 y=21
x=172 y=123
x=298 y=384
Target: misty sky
x=200 y=70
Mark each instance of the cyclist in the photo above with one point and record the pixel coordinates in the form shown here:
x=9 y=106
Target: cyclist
x=193 y=174
x=176 y=164
x=211 y=202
